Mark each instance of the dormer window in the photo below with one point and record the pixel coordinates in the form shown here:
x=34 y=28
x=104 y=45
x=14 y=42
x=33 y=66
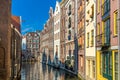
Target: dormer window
x=56 y=8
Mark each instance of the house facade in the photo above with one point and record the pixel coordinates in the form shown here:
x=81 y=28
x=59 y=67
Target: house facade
x=57 y=13
x=81 y=37
x=107 y=40
x=90 y=33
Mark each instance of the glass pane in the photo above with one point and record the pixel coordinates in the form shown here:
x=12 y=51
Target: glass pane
x=116 y=76
x=116 y=65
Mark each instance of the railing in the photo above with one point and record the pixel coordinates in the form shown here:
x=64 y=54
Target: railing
x=106 y=7
x=99 y=40
x=103 y=40
x=81 y=30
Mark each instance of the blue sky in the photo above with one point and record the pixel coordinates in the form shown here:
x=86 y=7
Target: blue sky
x=34 y=13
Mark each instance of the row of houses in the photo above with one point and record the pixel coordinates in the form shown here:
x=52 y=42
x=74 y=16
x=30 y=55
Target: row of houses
x=10 y=43
x=83 y=36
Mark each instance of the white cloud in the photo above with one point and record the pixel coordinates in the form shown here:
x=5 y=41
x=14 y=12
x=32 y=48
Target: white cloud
x=27 y=29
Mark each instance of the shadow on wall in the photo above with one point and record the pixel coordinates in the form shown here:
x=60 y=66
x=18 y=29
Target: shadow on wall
x=44 y=57
x=76 y=54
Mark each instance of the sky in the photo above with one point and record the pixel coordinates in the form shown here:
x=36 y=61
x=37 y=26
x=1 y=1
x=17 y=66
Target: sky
x=34 y=13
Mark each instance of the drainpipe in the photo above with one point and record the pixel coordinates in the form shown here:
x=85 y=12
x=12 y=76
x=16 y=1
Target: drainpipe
x=118 y=39
x=84 y=40
x=75 y=38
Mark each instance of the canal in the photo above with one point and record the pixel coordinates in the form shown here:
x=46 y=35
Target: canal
x=38 y=71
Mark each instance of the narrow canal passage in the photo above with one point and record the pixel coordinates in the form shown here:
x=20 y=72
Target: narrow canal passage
x=38 y=71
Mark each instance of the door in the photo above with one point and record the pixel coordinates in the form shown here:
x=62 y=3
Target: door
x=107 y=65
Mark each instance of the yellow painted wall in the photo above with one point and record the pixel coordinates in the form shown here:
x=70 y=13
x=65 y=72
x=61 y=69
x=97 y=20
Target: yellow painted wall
x=113 y=57
x=99 y=76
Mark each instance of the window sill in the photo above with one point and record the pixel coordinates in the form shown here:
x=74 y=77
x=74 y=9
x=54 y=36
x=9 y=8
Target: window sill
x=91 y=46
x=98 y=13
x=115 y=35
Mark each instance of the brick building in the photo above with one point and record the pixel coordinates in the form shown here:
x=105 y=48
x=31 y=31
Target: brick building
x=81 y=38
x=70 y=32
x=107 y=40
x=16 y=48
x=44 y=43
x=62 y=32
x=90 y=33
x=5 y=39
x=32 y=44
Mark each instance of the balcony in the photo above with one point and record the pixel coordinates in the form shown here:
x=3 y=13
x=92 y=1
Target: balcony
x=103 y=40
x=99 y=40
x=106 y=8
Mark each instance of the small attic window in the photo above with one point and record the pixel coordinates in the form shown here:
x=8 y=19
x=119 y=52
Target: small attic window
x=56 y=8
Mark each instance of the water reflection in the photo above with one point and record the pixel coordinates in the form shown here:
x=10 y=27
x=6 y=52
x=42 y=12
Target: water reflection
x=38 y=71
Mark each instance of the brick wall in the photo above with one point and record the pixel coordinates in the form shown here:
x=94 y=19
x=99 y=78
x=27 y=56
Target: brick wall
x=5 y=34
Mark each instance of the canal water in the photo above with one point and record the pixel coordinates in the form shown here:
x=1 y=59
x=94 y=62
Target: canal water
x=39 y=71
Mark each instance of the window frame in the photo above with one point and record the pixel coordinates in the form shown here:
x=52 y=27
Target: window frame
x=115 y=23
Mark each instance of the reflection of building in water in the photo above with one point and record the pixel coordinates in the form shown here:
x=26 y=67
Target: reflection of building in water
x=38 y=71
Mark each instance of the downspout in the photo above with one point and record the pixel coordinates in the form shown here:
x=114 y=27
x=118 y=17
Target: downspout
x=75 y=35
x=118 y=39
x=84 y=40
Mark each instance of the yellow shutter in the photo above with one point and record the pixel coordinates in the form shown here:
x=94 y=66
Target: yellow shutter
x=103 y=34
x=115 y=23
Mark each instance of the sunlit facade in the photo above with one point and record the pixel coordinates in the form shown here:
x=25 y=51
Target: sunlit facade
x=107 y=40
x=70 y=30
x=57 y=17
x=90 y=25
x=81 y=38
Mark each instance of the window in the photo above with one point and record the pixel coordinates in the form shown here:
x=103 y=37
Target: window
x=93 y=62
x=115 y=23
x=89 y=67
x=69 y=25
x=116 y=64
x=69 y=10
x=98 y=32
x=107 y=64
x=105 y=6
x=69 y=35
x=56 y=8
x=98 y=6
x=103 y=63
x=98 y=29
x=92 y=12
x=87 y=39
x=101 y=60
x=92 y=37
x=106 y=32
